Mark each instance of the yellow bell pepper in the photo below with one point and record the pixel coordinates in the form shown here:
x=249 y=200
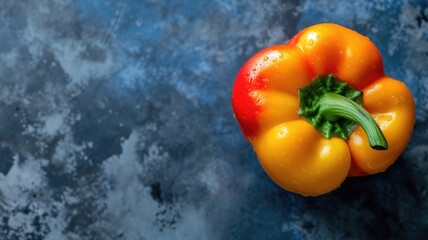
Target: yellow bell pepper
x=320 y=108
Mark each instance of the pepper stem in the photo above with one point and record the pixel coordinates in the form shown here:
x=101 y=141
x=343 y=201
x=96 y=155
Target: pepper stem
x=333 y=106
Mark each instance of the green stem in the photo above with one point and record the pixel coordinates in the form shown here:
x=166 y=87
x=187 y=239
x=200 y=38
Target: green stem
x=333 y=106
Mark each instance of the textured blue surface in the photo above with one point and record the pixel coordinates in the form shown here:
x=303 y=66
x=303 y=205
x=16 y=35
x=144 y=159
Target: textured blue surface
x=116 y=123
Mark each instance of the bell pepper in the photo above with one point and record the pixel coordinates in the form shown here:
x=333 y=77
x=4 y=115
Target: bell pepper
x=320 y=109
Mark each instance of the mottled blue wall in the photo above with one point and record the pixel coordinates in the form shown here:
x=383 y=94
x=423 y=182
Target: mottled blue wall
x=116 y=123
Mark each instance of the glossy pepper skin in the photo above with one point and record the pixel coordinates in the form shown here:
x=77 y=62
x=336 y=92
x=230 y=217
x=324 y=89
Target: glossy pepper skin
x=291 y=151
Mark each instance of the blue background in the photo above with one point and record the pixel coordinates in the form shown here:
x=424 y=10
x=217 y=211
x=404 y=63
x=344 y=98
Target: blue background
x=116 y=122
